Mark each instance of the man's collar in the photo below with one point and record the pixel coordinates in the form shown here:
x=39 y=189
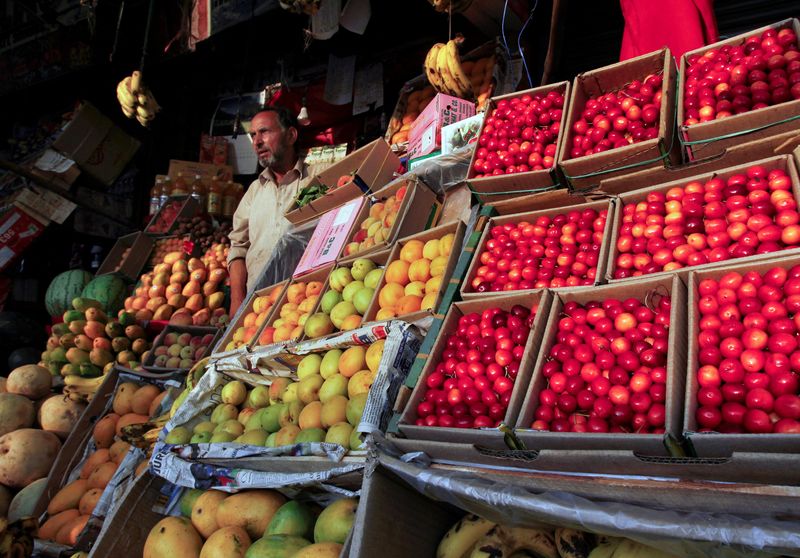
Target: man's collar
x=300 y=170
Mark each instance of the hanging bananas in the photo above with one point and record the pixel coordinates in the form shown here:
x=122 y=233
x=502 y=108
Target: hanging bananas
x=455 y=6
x=79 y=388
x=136 y=100
x=16 y=539
x=444 y=70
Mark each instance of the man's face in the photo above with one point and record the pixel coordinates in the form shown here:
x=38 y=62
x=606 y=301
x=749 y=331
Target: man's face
x=270 y=142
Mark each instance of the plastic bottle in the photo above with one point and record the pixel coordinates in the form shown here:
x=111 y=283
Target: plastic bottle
x=166 y=189
x=230 y=200
x=214 y=198
x=199 y=190
x=180 y=187
x=155 y=196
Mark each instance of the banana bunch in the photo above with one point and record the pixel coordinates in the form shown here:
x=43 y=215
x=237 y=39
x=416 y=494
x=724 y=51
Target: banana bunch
x=136 y=100
x=82 y=389
x=144 y=435
x=308 y=7
x=475 y=537
x=444 y=71
x=446 y=6
x=16 y=539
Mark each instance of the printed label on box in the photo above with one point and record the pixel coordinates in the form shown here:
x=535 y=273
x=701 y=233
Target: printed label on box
x=329 y=237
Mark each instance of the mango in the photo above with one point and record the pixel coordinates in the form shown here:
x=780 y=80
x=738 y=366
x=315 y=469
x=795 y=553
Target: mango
x=144 y=396
x=123 y=398
x=102 y=474
x=114 y=329
x=94 y=461
x=335 y=521
x=51 y=527
x=187 y=501
x=173 y=537
x=76 y=326
x=100 y=357
x=204 y=512
x=320 y=550
x=292 y=518
x=252 y=510
x=226 y=542
x=77 y=356
x=68 y=534
x=83 y=304
x=68 y=497
x=89 y=501
x=276 y=546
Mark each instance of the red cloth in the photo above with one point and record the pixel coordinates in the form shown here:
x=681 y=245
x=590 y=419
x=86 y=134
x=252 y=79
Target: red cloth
x=681 y=25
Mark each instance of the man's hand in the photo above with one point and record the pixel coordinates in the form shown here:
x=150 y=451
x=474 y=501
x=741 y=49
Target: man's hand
x=238 y=272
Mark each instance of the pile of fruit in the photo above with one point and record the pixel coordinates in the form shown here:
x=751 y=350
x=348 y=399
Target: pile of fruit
x=520 y=135
x=752 y=212
x=413 y=281
x=316 y=189
x=446 y=72
x=619 y=118
x=415 y=104
x=258 y=314
x=70 y=508
x=202 y=232
x=325 y=404
x=558 y=251
x=376 y=227
x=747 y=352
x=471 y=385
x=164 y=246
x=294 y=314
x=607 y=369
x=250 y=524
x=122 y=257
x=88 y=344
x=351 y=290
x=183 y=291
x=165 y=218
x=733 y=79
x=136 y=100
x=475 y=537
x=181 y=350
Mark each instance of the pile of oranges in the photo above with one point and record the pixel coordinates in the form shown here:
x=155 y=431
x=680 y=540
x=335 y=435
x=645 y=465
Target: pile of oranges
x=301 y=299
x=255 y=318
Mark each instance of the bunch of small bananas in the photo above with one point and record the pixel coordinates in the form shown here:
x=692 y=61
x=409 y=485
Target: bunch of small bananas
x=450 y=5
x=145 y=435
x=444 y=71
x=136 y=100
x=16 y=539
x=82 y=389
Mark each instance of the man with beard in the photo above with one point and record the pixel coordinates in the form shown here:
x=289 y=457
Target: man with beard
x=258 y=223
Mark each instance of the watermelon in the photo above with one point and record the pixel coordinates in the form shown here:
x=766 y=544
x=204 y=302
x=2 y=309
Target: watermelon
x=108 y=290
x=63 y=288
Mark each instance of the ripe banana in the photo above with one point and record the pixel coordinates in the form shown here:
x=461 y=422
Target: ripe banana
x=83 y=384
x=453 y=61
x=16 y=539
x=136 y=100
x=144 y=435
x=503 y=542
x=572 y=543
x=431 y=70
x=462 y=537
x=443 y=68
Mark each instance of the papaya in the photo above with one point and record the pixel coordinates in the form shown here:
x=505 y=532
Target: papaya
x=67 y=340
x=100 y=357
x=126 y=319
x=72 y=315
x=94 y=329
x=77 y=356
x=68 y=497
x=76 y=326
x=50 y=528
x=96 y=315
x=83 y=342
x=114 y=329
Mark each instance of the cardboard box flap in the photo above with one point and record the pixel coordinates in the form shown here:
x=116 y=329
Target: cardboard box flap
x=84 y=133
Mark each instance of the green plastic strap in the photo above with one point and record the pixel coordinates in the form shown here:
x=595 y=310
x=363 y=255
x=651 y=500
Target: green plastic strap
x=555 y=186
x=741 y=133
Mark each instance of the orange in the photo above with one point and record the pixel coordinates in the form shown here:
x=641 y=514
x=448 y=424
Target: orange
x=420 y=270
x=288 y=308
x=313 y=288
x=296 y=292
x=352 y=360
x=438 y=266
x=249 y=319
x=274 y=294
x=415 y=288
x=433 y=285
x=350 y=322
x=408 y=304
x=283 y=333
x=429 y=301
x=266 y=336
x=385 y=314
x=249 y=333
x=412 y=251
x=261 y=317
x=389 y=295
x=397 y=272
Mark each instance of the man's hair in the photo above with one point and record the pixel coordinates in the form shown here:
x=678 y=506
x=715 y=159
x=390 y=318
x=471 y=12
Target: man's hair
x=285 y=117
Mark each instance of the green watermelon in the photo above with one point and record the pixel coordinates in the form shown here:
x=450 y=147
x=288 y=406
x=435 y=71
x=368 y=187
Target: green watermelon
x=108 y=290
x=63 y=289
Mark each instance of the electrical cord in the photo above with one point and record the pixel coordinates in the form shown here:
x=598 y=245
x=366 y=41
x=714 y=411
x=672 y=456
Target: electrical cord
x=503 y=28
x=519 y=41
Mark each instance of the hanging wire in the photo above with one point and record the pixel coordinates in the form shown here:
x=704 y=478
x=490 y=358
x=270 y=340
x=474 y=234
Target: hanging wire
x=503 y=29
x=150 y=11
x=519 y=42
x=116 y=35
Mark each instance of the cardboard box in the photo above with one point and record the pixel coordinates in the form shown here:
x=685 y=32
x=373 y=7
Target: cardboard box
x=19 y=227
x=98 y=146
x=783 y=162
x=643 y=444
x=330 y=235
x=585 y=173
x=56 y=169
x=189 y=207
x=149 y=362
x=468 y=293
x=717 y=444
x=207 y=171
x=495 y=188
x=417 y=212
x=139 y=246
x=461 y=134
x=245 y=309
x=488 y=437
x=426 y=132
x=711 y=138
x=455 y=228
x=372 y=166
x=46 y=203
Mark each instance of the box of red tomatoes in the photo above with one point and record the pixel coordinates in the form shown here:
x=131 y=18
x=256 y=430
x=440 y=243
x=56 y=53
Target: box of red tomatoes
x=478 y=371
x=518 y=142
x=620 y=119
x=743 y=387
x=748 y=211
x=368 y=168
x=742 y=88
x=549 y=248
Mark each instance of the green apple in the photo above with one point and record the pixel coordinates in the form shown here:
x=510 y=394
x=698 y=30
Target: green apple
x=290 y=393
x=373 y=278
x=329 y=300
x=341 y=311
x=178 y=435
x=310 y=435
x=205 y=426
x=340 y=277
x=270 y=418
x=290 y=413
x=361 y=267
x=201 y=438
x=309 y=365
x=351 y=289
x=333 y=385
x=355 y=408
x=362 y=299
x=222 y=437
x=330 y=363
x=309 y=388
x=258 y=397
x=234 y=392
x=339 y=433
x=223 y=412
x=253 y=437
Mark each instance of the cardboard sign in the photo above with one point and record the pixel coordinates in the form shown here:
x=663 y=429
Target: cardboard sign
x=330 y=235
x=426 y=133
x=18 y=230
